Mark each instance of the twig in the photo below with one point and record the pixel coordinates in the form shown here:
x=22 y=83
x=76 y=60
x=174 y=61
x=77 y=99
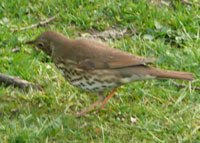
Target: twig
x=41 y=23
x=186 y=2
x=183 y=86
x=106 y=35
x=17 y=82
x=189 y=3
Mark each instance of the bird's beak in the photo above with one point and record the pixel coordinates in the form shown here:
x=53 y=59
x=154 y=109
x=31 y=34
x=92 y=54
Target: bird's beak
x=31 y=42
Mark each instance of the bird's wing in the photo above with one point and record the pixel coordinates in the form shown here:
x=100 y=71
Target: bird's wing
x=115 y=63
x=93 y=55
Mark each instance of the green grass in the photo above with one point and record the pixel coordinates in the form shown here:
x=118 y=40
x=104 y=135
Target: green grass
x=164 y=112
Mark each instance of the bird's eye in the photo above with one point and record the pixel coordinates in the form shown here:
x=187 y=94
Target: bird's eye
x=40 y=45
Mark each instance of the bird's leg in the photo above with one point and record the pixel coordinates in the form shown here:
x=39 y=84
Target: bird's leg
x=106 y=99
x=84 y=112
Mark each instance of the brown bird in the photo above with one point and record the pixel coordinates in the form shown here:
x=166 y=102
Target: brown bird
x=95 y=67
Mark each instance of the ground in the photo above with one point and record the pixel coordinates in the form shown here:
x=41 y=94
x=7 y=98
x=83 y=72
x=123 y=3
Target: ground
x=145 y=111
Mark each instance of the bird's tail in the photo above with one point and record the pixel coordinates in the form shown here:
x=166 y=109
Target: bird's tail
x=163 y=74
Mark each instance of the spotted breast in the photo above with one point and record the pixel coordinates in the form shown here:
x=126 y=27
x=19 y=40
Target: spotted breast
x=92 y=80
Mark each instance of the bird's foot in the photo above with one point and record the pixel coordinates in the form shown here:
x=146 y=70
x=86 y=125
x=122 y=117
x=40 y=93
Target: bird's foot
x=84 y=112
x=106 y=100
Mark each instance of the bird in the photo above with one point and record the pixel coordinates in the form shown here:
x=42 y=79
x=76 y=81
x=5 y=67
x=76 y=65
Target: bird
x=95 y=67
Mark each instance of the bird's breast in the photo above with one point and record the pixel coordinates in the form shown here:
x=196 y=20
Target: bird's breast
x=89 y=80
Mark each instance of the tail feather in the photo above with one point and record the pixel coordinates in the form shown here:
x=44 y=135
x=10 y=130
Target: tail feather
x=159 y=73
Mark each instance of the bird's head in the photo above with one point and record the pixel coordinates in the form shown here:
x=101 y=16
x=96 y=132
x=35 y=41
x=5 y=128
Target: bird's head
x=44 y=41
